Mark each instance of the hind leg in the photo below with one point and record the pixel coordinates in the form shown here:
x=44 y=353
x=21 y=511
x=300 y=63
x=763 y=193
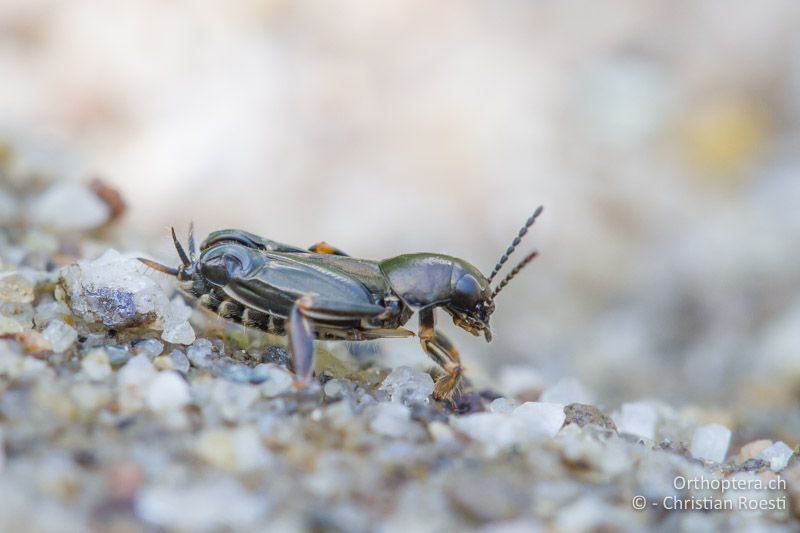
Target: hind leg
x=300 y=324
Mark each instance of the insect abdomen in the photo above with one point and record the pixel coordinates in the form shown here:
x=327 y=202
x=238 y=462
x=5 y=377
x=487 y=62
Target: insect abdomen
x=236 y=312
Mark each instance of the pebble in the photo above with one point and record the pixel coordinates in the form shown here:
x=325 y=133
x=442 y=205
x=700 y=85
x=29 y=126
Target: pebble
x=179 y=333
x=502 y=405
x=133 y=379
x=9 y=326
x=96 y=365
x=149 y=347
x=237 y=450
x=46 y=312
x=777 y=455
x=391 y=419
x=89 y=398
x=15 y=288
x=541 y=418
x=69 y=207
x=408 y=386
x=212 y=505
x=338 y=388
x=527 y=422
x=583 y=415
x=114 y=291
x=277 y=380
x=637 y=418
x=168 y=391
x=233 y=399
x=61 y=336
x=200 y=353
x=117 y=356
x=175 y=360
x=752 y=449
x=710 y=442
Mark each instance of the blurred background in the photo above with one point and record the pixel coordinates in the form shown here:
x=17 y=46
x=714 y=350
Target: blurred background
x=662 y=138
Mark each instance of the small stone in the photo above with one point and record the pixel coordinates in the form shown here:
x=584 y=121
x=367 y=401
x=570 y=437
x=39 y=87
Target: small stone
x=338 y=388
x=527 y=422
x=46 y=312
x=179 y=310
x=167 y=392
x=233 y=399
x=237 y=450
x=33 y=341
x=487 y=497
x=89 y=398
x=391 y=419
x=163 y=362
x=67 y=207
x=277 y=381
x=117 y=356
x=582 y=415
x=200 y=353
x=711 y=442
x=277 y=355
x=502 y=405
x=175 y=360
x=179 y=333
x=15 y=366
x=567 y=391
x=133 y=379
x=751 y=450
x=149 y=347
x=777 y=456
x=60 y=335
x=407 y=386
x=9 y=326
x=203 y=506
x=15 y=288
x=541 y=418
x=96 y=365
x=637 y=418
x=441 y=432
x=114 y=291
x=229 y=368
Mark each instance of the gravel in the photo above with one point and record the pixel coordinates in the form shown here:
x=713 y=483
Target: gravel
x=121 y=408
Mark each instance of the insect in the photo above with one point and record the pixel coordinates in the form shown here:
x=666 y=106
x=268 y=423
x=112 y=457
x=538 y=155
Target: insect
x=322 y=293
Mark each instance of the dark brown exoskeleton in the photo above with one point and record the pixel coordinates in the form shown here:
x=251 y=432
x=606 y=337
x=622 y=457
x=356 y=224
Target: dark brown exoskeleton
x=325 y=294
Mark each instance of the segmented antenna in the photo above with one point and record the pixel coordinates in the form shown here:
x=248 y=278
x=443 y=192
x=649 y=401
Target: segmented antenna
x=515 y=243
x=192 y=247
x=514 y=272
x=181 y=251
x=158 y=266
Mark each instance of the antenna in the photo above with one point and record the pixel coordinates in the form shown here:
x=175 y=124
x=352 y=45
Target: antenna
x=192 y=247
x=515 y=243
x=158 y=266
x=181 y=251
x=522 y=264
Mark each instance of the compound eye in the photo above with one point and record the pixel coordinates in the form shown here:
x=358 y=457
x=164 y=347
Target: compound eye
x=467 y=292
x=220 y=269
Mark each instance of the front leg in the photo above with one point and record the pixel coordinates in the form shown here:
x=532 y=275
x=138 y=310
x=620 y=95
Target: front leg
x=441 y=350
